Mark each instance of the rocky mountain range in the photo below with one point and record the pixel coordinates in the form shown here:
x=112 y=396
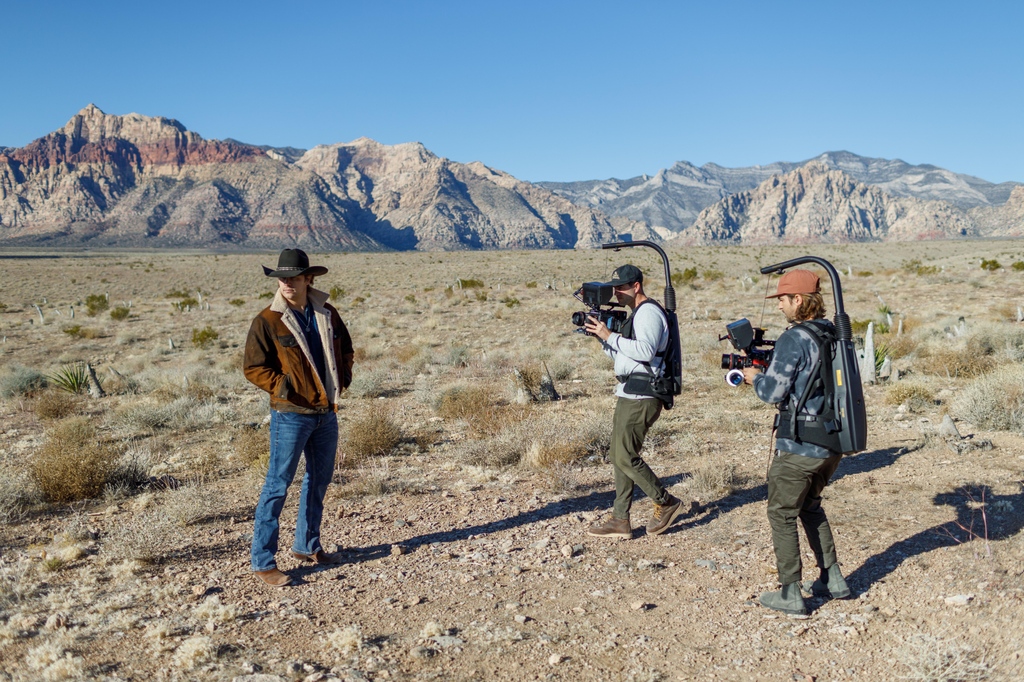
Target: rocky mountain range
x=139 y=181
x=148 y=181
x=670 y=201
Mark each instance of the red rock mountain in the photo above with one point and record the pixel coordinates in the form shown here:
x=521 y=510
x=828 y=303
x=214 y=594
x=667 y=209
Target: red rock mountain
x=142 y=181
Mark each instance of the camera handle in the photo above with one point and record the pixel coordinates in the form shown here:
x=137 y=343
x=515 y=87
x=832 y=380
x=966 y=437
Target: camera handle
x=844 y=331
x=670 y=292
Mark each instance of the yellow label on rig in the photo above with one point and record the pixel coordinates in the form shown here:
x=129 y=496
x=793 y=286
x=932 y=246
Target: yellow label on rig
x=839 y=377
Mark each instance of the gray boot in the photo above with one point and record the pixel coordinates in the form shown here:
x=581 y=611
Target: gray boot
x=830 y=583
x=788 y=600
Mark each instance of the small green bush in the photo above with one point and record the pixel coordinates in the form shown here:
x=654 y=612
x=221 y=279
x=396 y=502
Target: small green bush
x=266 y=294
x=178 y=293
x=531 y=285
x=79 y=332
x=237 y=302
x=510 y=301
x=95 y=304
x=202 y=338
x=990 y=265
x=470 y=284
x=188 y=302
x=687 y=276
x=712 y=275
x=914 y=267
x=120 y=313
x=1017 y=266
x=410 y=298
x=336 y=293
x=915 y=396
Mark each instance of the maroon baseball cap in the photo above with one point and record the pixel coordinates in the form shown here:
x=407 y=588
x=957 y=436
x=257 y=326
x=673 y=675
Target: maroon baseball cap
x=797 y=282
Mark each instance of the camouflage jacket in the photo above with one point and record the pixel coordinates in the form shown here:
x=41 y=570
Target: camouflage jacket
x=794 y=364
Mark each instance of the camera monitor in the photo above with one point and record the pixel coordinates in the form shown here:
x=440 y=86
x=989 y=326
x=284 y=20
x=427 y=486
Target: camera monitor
x=596 y=294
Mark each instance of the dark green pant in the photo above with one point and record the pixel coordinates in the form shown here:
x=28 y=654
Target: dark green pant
x=629 y=428
x=795 y=483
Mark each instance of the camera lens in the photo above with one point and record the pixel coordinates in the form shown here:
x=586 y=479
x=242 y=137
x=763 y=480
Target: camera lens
x=734 y=377
x=579 y=318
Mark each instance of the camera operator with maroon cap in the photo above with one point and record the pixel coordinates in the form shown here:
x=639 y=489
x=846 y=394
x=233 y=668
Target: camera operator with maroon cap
x=806 y=455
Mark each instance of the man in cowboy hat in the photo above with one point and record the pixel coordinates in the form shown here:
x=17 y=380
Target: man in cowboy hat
x=299 y=351
x=638 y=348
x=806 y=454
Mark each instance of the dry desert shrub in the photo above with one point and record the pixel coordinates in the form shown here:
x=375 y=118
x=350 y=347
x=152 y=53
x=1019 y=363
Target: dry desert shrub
x=373 y=433
x=370 y=383
x=963 y=361
x=183 y=414
x=188 y=505
x=373 y=478
x=897 y=347
x=709 y=480
x=130 y=472
x=347 y=641
x=252 y=445
x=934 y=659
x=994 y=401
x=55 y=405
x=146 y=537
x=18 y=380
x=16 y=584
x=72 y=463
x=480 y=408
x=915 y=396
x=18 y=492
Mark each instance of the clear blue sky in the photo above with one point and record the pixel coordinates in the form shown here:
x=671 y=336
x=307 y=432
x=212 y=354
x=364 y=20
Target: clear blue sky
x=544 y=90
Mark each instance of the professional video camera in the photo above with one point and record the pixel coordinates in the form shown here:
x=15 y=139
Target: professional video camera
x=598 y=299
x=749 y=339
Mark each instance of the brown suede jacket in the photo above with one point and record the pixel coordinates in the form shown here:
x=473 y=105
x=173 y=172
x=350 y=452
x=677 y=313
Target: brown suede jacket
x=279 y=361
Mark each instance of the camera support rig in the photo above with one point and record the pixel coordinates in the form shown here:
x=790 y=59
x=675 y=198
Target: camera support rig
x=849 y=393
x=670 y=292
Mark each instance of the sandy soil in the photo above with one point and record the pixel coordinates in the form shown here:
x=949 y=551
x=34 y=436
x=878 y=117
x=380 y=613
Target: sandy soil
x=460 y=568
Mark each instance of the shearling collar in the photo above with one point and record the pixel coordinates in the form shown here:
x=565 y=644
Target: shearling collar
x=316 y=297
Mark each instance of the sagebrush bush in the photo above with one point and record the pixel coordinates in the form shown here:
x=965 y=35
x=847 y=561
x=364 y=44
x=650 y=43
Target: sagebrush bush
x=915 y=396
x=710 y=480
x=480 y=409
x=251 y=445
x=120 y=313
x=373 y=433
x=55 y=405
x=130 y=472
x=18 y=492
x=994 y=401
x=19 y=380
x=72 y=463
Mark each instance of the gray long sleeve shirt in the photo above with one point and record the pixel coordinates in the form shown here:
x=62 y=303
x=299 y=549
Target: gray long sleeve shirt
x=650 y=337
x=793 y=365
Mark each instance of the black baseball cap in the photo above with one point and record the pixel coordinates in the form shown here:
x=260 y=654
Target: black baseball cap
x=625 y=274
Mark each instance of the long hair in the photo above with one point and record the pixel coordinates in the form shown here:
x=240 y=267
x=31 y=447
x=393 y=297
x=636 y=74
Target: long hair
x=812 y=308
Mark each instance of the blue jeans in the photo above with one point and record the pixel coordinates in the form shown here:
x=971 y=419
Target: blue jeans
x=291 y=434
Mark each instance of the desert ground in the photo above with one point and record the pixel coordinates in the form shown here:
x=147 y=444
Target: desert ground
x=461 y=505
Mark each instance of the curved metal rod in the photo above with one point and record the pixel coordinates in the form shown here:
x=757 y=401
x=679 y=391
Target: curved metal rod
x=670 y=292
x=837 y=289
x=841 y=318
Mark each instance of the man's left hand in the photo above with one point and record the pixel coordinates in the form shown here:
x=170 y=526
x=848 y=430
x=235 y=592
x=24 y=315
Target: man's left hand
x=597 y=328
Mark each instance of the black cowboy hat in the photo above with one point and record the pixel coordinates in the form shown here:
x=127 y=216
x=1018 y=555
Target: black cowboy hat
x=292 y=263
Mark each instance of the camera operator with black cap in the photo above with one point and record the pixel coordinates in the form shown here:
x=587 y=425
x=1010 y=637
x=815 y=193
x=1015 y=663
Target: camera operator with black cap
x=806 y=456
x=638 y=350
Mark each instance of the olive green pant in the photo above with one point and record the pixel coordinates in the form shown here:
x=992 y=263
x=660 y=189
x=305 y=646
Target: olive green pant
x=795 y=483
x=629 y=428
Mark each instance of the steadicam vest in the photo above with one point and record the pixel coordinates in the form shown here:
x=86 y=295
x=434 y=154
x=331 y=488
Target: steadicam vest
x=822 y=429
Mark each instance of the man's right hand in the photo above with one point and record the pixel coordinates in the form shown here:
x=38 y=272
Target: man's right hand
x=749 y=373
x=597 y=328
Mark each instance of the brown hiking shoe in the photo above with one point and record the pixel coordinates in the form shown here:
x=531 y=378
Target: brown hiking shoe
x=319 y=557
x=664 y=515
x=274 y=578
x=612 y=528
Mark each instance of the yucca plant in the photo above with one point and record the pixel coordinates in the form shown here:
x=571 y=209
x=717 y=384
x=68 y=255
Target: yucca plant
x=71 y=378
